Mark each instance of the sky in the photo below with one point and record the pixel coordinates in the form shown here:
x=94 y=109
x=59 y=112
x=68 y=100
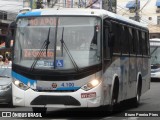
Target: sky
x=11 y=5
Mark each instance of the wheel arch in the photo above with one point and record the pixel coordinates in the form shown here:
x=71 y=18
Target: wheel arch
x=139 y=82
x=115 y=83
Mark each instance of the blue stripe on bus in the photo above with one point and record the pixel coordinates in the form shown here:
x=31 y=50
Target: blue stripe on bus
x=27 y=80
x=23 y=79
x=35 y=13
x=68 y=88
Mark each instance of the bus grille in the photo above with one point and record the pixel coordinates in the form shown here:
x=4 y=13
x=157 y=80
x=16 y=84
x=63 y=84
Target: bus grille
x=61 y=100
x=55 y=90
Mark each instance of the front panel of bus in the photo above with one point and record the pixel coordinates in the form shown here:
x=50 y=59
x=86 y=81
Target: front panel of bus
x=155 y=59
x=57 y=61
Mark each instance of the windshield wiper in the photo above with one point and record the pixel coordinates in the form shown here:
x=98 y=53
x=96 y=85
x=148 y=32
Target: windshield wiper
x=68 y=52
x=44 y=45
x=47 y=41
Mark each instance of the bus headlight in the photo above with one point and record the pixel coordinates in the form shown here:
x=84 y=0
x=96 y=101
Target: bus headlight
x=91 y=84
x=20 y=85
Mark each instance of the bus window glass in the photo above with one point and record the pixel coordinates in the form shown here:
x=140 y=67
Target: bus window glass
x=77 y=39
x=116 y=31
x=131 y=41
x=127 y=39
x=144 y=46
x=155 y=55
x=140 y=42
x=137 y=39
x=147 y=44
x=125 y=44
x=134 y=41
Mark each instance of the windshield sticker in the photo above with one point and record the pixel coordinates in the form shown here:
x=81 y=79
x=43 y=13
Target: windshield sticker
x=45 y=63
x=59 y=63
x=30 y=53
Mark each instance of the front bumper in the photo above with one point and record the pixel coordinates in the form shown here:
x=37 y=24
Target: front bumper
x=75 y=99
x=155 y=75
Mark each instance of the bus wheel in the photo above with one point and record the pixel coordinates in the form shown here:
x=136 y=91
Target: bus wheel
x=10 y=104
x=136 y=100
x=113 y=106
x=41 y=110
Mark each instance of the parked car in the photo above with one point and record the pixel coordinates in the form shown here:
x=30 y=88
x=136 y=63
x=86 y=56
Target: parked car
x=5 y=84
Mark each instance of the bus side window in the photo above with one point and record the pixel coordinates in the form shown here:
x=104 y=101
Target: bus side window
x=144 y=44
x=134 y=41
x=125 y=41
x=137 y=45
x=131 y=41
x=147 y=42
x=117 y=40
x=107 y=54
x=140 y=43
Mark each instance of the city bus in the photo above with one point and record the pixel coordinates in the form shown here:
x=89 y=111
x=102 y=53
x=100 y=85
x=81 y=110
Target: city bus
x=77 y=58
x=155 y=58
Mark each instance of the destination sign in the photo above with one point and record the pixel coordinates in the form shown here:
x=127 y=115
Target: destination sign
x=42 y=21
x=30 y=53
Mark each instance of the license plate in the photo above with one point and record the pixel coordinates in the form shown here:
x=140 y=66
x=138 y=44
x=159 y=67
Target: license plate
x=88 y=95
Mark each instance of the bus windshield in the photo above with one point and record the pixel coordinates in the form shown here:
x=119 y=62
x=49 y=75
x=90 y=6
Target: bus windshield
x=57 y=42
x=155 y=55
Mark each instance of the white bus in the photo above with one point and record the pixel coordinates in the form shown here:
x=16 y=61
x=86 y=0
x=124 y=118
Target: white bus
x=74 y=58
x=155 y=58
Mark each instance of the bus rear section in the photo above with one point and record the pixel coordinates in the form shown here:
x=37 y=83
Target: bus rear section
x=155 y=58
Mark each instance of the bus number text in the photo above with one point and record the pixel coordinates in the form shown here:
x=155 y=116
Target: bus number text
x=67 y=84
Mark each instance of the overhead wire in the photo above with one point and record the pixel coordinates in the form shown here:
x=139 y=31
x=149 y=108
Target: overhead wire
x=134 y=9
x=142 y=19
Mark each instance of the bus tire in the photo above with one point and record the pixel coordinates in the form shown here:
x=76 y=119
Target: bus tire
x=136 y=100
x=10 y=104
x=41 y=110
x=114 y=99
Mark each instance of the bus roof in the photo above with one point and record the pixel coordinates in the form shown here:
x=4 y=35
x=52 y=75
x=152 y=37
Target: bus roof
x=155 y=42
x=79 y=12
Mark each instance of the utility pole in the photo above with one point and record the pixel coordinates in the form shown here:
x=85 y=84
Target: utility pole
x=136 y=10
x=110 y=6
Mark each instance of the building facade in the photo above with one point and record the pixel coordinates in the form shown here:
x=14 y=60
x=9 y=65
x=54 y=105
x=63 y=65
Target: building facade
x=148 y=12
x=8 y=12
